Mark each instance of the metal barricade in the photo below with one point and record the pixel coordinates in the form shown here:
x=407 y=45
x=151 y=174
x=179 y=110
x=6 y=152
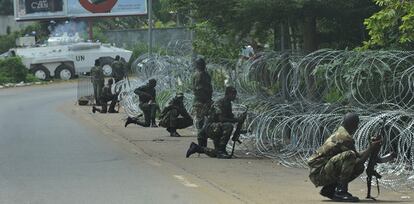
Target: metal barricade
x=85 y=90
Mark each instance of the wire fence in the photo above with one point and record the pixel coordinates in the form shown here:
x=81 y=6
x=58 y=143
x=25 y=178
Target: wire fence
x=295 y=102
x=84 y=90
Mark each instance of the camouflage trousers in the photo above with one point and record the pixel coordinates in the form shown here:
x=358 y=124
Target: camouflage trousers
x=172 y=120
x=343 y=167
x=104 y=103
x=200 y=110
x=220 y=133
x=149 y=110
x=97 y=90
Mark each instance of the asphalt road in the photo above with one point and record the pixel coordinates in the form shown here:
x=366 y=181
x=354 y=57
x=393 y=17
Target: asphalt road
x=48 y=157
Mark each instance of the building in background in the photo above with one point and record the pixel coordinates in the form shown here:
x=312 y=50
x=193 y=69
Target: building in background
x=9 y=24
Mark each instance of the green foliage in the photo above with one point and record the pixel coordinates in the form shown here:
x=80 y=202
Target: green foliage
x=140 y=49
x=98 y=35
x=210 y=43
x=31 y=78
x=333 y=96
x=392 y=26
x=331 y=23
x=8 y=41
x=218 y=77
x=12 y=70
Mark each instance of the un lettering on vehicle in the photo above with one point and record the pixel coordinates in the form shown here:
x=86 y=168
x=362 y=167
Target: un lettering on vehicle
x=80 y=58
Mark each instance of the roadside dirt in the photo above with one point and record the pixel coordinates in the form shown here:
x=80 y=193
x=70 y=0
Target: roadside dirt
x=250 y=180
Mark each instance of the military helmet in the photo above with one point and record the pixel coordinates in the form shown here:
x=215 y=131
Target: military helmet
x=152 y=82
x=200 y=63
x=230 y=89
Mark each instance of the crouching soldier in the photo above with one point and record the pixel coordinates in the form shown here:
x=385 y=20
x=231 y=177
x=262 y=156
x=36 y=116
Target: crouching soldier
x=147 y=104
x=175 y=116
x=106 y=96
x=336 y=163
x=218 y=127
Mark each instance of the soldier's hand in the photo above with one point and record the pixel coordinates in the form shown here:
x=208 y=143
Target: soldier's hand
x=375 y=143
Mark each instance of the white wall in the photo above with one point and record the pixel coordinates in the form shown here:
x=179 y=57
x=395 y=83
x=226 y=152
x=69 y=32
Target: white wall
x=6 y=21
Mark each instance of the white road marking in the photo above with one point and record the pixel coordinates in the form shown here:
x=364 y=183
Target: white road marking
x=185 y=182
x=152 y=162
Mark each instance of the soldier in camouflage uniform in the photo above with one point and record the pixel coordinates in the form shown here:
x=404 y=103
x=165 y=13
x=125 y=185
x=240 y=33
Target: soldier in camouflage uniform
x=336 y=162
x=105 y=97
x=203 y=91
x=175 y=116
x=147 y=104
x=219 y=127
x=118 y=69
x=98 y=80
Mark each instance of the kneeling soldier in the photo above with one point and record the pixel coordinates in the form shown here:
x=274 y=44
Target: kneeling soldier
x=170 y=116
x=147 y=104
x=105 y=97
x=218 y=127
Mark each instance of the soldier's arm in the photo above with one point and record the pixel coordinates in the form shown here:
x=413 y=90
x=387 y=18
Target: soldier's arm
x=364 y=155
x=183 y=112
x=197 y=83
x=220 y=111
x=140 y=92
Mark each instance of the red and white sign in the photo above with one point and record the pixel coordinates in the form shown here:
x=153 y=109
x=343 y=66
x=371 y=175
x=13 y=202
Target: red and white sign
x=51 y=9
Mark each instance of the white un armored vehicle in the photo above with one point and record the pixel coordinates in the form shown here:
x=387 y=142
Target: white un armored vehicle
x=65 y=56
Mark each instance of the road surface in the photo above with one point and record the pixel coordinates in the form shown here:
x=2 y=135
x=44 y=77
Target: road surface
x=53 y=151
x=48 y=157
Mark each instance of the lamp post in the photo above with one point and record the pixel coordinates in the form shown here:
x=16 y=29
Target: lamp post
x=150 y=27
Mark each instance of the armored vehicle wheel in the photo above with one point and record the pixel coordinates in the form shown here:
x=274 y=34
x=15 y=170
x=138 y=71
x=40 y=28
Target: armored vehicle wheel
x=64 y=72
x=41 y=72
x=106 y=65
x=107 y=70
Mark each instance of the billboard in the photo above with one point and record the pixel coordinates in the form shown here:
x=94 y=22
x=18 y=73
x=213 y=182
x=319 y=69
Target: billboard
x=50 y=9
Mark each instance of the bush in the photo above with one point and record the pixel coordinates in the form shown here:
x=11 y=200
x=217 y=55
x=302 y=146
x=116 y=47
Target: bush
x=140 y=49
x=31 y=78
x=12 y=70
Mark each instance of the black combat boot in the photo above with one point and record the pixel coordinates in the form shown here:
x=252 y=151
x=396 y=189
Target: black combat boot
x=94 y=109
x=328 y=190
x=129 y=121
x=341 y=194
x=112 y=111
x=222 y=153
x=194 y=148
x=173 y=132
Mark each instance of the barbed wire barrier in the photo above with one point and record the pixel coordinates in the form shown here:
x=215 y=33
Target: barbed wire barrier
x=295 y=102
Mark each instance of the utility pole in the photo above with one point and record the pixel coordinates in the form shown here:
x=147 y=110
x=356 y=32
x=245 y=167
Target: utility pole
x=149 y=27
x=90 y=27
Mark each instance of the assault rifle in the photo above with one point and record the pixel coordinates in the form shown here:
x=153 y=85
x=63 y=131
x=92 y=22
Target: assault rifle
x=372 y=162
x=238 y=131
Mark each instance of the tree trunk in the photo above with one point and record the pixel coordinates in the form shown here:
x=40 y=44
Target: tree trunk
x=276 y=34
x=309 y=33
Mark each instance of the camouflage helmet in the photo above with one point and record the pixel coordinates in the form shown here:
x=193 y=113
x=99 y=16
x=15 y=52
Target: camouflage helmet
x=200 y=64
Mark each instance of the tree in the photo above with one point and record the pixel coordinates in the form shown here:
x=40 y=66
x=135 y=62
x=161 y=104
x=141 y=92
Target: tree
x=392 y=26
x=287 y=23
